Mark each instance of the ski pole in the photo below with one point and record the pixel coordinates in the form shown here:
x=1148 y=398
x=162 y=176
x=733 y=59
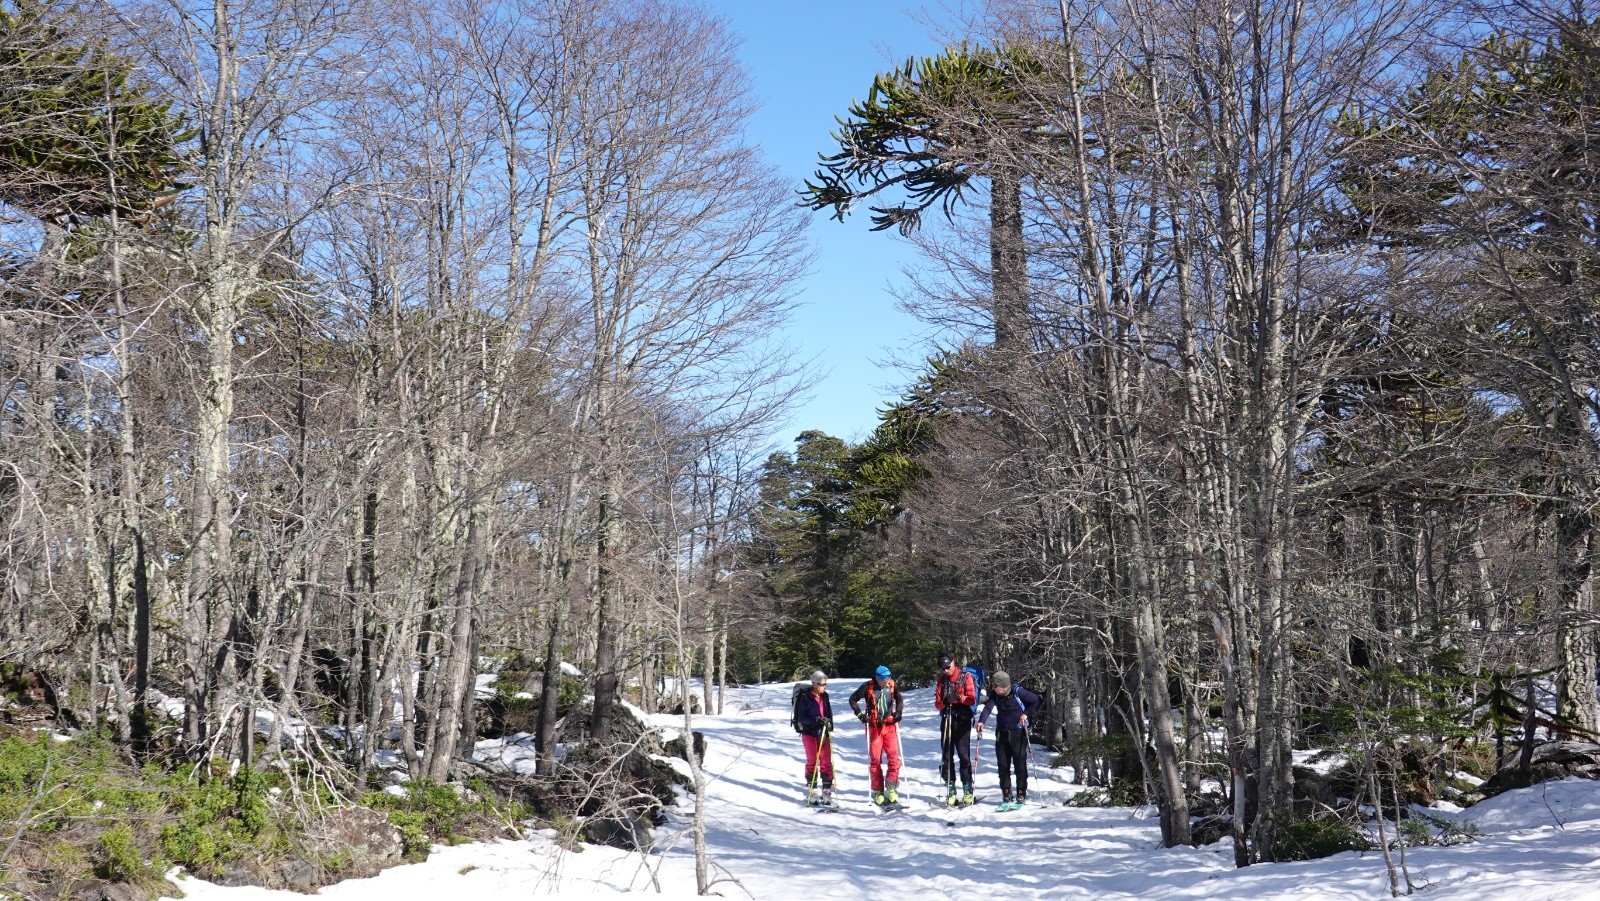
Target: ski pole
x=816 y=771
x=945 y=763
x=827 y=733
x=870 y=768
x=827 y=740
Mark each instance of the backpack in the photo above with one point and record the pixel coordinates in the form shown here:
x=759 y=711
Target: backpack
x=800 y=690
x=978 y=686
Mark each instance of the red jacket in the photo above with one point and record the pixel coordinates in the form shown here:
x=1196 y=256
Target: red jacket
x=868 y=691
x=966 y=694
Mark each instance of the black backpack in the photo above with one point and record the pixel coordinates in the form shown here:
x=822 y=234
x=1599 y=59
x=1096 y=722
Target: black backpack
x=800 y=689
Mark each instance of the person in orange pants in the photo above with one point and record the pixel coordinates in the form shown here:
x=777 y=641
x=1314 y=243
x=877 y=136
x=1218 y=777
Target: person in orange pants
x=884 y=706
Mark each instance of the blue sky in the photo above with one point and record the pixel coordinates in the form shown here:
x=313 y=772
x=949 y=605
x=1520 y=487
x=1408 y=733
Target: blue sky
x=807 y=61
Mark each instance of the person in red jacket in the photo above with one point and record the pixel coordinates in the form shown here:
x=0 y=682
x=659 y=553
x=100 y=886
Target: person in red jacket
x=954 y=695
x=814 y=718
x=882 y=716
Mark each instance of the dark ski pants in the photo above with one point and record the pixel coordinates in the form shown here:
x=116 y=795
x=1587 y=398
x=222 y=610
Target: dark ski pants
x=955 y=746
x=1011 y=750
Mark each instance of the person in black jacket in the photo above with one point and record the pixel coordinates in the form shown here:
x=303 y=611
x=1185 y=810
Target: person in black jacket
x=1012 y=703
x=884 y=708
x=814 y=718
x=954 y=694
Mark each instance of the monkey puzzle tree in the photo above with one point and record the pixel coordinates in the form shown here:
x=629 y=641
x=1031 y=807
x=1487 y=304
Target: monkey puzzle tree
x=931 y=127
x=78 y=135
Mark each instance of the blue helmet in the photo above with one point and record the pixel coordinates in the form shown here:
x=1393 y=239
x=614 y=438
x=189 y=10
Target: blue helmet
x=883 y=672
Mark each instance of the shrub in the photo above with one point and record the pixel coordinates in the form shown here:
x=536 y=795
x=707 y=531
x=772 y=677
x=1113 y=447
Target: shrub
x=430 y=812
x=218 y=819
x=1305 y=838
x=120 y=859
x=1127 y=792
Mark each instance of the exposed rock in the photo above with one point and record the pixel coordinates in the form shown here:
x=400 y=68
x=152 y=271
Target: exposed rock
x=234 y=877
x=85 y=890
x=1551 y=760
x=630 y=833
x=299 y=875
x=676 y=747
x=125 y=891
x=367 y=834
x=627 y=728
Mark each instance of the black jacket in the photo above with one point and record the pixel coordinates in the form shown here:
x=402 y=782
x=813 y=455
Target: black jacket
x=1011 y=707
x=811 y=712
x=868 y=692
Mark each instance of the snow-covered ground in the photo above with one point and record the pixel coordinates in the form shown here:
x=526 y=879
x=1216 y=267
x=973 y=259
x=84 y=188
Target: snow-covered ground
x=1539 y=843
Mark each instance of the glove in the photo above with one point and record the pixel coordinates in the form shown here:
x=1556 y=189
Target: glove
x=862 y=717
x=827 y=724
x=950 y=696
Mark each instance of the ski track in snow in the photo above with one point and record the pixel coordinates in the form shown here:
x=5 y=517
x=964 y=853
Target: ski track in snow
x=1538 y=843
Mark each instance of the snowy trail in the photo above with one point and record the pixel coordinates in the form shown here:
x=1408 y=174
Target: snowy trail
x=1541 y=843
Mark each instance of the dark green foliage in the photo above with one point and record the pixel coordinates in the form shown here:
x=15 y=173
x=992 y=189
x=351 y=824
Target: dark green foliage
x=120 y=859
x=217 y=819
x=78 y=135
x=80 y=805
x=1120 y=793
x=1309 y=838
x=904 y=134
x=848 y=591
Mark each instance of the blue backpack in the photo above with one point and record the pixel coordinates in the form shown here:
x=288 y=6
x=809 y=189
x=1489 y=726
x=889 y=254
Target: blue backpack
x=979 y=686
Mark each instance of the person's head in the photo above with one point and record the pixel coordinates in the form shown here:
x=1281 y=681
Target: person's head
x=947 y=664
x=819 y=681
x=882 y=674
x=1000 y=683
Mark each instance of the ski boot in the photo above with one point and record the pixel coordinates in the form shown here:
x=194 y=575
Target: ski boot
x=893 y=794
x=950 y=797
x=1006 y=803
x=879 y=798
x=1021 y=797
x=967 y=797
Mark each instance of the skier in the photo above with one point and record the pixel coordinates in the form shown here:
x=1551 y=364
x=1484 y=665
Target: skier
x=954 y=694
x=1011 y=704
x=882 y=715
x=814 y=716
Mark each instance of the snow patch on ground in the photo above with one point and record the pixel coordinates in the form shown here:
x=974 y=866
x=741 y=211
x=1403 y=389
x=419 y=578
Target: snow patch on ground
x=512 y=754
x=1537 y=843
